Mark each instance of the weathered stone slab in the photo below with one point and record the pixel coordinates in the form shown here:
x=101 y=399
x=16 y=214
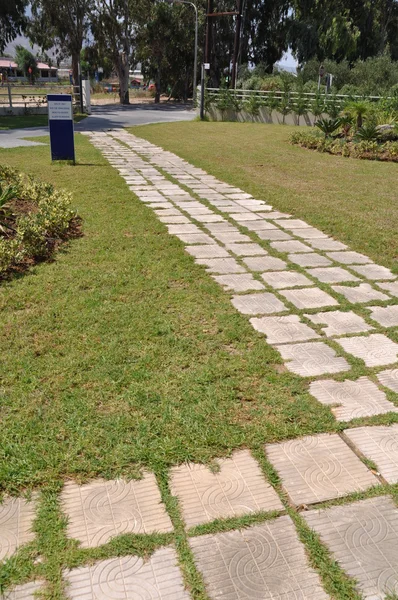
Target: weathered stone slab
x=238 y=283
x=389 y=379
x=363 y=539
x=309 y=260
x=25 y=591
x=360 y=294
x=246 y=249
x=221 y=265
x=231 y=237
x=352 y=399
x=273 y=234
x=264 y=562
x=258 y=304
x=327 y=244
x=390 y=287
x=129 y=577
x=266 y=263
x=380 y=445
x=243 y=218
x=286 y=279
x=195 y=238
x=375 y=350
x=318 y=468
x=208 y=251
x=16 y=521
x=349 y=258
x=292 y=224
x=238 y=488
x=332 y=275
x=337 y=322
x=374 y=272
x=387 y=316
x=101 y=510
x=292 y=246
x=309 y=234
x=174 y=229
x=312 y=358
x=309 y=298
x=260 y=225
x=286 y=329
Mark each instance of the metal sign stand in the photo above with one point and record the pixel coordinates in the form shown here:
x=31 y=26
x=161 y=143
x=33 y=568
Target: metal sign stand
x=60 y=121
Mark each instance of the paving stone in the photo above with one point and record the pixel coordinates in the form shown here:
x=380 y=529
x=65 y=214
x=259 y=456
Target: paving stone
x=129 y=577
x=246 y=249
x=167 y=212
x=349 y=258
x=278 y=215
x=209 y=218
x=16 y=520
x=375 y=350
x=208 y=251
x=363 y=539
x=223 y=226
x=387 y=316
x=318 y=468
x=390 y=287
x=352 y=399
x=374 y=272
x=238 y=488
x=221 y=265
x=195 y=238
x=261 y=225
x=287 y=329
x=327 y=244
x=101 y=510
x=174 y=229
x=291 y=246
x=332 y=275
x=292 y=224
x=286 y=279
x=25 y=591
x=231 y=237
x=263 y=562
x=309 y=260
x=248 y=216
x=239 y=196
x=309 y=298
x=273 y=234
x=337 y=322
x=389 y=379
x=266 y=263
x=360 y=293
x=312 y=358
x=380 y=445
x=238 y=283
x=258 y=304
x=309 y=234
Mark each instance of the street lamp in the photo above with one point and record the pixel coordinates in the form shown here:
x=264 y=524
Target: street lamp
x=195 y=67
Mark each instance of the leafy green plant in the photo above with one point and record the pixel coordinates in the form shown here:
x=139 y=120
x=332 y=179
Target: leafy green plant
x=346 y=123
x=332 y=107
x=300 y=107
x=318 y=106
x=328 y=126
x=368 y=133
x=358 y=110
x=253 y=105
x=7 y=193
x=284 y=107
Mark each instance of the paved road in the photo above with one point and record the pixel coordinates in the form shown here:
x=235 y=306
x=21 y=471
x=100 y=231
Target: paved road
x=106 y=117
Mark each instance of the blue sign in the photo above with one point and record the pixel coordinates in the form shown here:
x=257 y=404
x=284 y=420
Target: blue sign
x=60 y=121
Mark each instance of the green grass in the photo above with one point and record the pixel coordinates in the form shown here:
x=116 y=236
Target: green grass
x=23 y=121
x=353 y=200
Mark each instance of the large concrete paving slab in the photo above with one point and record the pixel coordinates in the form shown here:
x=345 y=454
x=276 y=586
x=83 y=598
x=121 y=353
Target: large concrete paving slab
x=239 y=283
x=389 y=378
x=286 y=329
x=386 y=316
x=265 y=263
x=221 y=265
x=349 y=258
x=379 y=444
x=332 y=275
x=391 y=287
x=309 y=298
x=337 y=322
x=361 y=293
x=26 y=591
x=208 y=251
x=258 y=304
x=286 y=279
x=292 y=246
x=247 y=249
x=374 y=272
x=375 y=350
x=310 y=260
x=310 y=359
x=16 y=521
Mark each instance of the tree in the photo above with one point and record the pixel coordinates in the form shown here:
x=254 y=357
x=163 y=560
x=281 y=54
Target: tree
x=12 y=20
x=26 y=62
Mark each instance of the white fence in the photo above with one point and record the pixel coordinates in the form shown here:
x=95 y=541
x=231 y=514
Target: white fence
x=19 y=99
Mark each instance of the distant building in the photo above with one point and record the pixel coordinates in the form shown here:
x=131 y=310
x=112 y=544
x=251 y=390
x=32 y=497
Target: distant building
x=10 y=72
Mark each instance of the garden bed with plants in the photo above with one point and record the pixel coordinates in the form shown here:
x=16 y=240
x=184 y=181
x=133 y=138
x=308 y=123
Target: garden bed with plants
x=362 y=130
x=34 y=220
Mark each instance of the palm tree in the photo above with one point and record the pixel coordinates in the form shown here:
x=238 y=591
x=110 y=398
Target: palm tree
x=358 y=110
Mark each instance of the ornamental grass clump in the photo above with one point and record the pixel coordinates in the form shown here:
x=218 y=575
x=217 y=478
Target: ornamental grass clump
x=35 y=219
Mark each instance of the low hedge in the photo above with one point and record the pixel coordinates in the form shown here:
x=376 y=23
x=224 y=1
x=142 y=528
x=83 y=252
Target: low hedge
x=315 y=140
x=35 y=219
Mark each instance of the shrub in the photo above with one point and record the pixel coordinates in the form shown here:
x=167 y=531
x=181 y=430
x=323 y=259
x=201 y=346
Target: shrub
x=328 y=126
x=368 y=133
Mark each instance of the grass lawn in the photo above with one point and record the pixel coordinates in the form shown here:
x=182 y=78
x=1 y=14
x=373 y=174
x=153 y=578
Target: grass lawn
x=354 y=200
x=22 y=121
x=123 y=353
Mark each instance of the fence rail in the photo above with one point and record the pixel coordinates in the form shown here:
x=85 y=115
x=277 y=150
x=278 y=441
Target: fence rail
x=31 y=96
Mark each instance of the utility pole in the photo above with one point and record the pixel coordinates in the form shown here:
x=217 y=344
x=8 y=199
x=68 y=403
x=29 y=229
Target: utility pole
x=208 y=39
x=237 y=44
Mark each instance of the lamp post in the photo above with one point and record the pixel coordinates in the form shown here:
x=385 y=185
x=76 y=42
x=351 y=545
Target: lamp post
x=195 y=67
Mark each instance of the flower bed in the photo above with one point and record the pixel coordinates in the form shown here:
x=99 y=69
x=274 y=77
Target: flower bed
x=34 y=220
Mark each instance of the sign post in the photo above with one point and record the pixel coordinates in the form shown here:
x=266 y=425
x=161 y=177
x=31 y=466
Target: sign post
x=60 y=120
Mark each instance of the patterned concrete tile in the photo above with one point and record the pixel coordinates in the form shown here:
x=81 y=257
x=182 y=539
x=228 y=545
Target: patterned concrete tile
x=264 y=562
x=291 y=246
x=221 y=265
x=390 y=287
x=22 y=592
x=239 y=283
x=239 y=196
x=309 y=234
x=242 y=217
x=374 y=272
x=129 y=577
x=380 y=445
x=281 y=330
x=327 y=244
x=195 y=238
x=276 y=214
x=174 y=229
x=318 y=468
x=246 y=249
x=261 y=225
x=312 y=358
x=332 y=275
x=337 y=322
x=238 y=488
x=266 y=263
x=167 y=212
x=360 y=293
x=209 y=218
x=16 y=520
x=363 y=539
x=231 y=237
x=389 y=379
x=349 y=258
x=273 y=234
x=208 y=251
x=309 y=298
x=292 y=224
x=352 y=399
x=258 y=304
x=387 y=316
x=375 y=350
x=101 y=510
x=285 y=279
x=309 y=260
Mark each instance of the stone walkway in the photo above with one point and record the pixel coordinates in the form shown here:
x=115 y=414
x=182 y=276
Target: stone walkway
x=325 y=308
